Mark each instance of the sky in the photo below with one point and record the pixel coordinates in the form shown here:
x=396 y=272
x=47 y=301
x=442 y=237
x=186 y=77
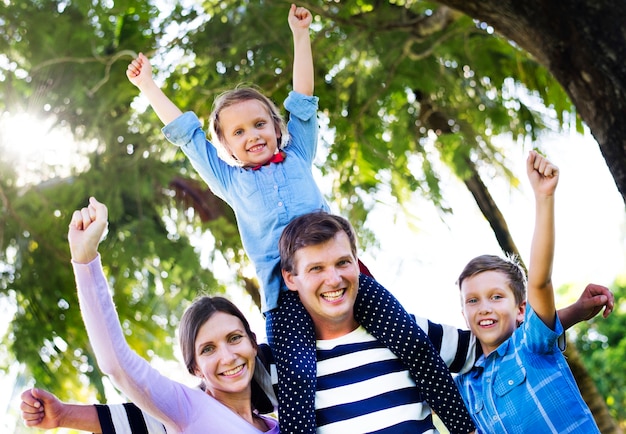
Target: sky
x=419 y=265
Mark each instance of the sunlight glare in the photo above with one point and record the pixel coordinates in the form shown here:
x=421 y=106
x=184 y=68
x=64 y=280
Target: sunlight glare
x=39 y=150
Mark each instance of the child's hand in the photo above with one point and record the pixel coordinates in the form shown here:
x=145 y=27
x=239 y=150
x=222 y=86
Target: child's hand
x=299 y=18
x=543 y=175
x=139 y=71
x=593 y=299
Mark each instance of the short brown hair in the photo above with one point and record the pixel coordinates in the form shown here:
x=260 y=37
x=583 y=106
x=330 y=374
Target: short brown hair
x=510 y=266
x=310 y=230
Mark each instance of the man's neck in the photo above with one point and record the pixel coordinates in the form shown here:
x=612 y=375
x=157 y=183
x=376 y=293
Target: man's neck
x=334 y=331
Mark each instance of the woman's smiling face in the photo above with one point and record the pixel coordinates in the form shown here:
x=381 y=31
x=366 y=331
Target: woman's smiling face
x=225 y=356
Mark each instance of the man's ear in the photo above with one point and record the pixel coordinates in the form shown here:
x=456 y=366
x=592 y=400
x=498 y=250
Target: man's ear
x=289 y=279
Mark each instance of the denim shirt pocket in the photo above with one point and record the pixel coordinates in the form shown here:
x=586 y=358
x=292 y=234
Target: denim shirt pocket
x=247 y=185
x=476 y=405
x=509 y=379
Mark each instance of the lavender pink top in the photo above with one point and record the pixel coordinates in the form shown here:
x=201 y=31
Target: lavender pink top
x=182 y=409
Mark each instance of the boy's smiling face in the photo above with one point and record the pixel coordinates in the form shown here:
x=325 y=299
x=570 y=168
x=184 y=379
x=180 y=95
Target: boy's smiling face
x=490 y=309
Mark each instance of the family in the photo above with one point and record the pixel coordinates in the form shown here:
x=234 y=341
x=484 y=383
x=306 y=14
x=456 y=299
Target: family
x=343 y=355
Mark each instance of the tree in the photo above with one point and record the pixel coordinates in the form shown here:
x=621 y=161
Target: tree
x=74 y=73
x=581 y=43
x=404 y=87
x=156 y=272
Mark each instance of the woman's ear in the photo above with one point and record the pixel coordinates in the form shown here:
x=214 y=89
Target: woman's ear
x=198 y=373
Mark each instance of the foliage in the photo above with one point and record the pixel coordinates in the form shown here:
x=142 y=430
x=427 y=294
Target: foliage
x=602 y=346
x=153 y=272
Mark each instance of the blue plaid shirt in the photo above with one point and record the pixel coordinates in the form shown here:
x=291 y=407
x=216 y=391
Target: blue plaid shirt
x=264 y=200
x=525 y=385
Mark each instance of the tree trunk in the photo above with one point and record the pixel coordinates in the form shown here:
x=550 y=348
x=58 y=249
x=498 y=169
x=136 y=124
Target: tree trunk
x=583 y=44
x=589 y=392
x=490 y=210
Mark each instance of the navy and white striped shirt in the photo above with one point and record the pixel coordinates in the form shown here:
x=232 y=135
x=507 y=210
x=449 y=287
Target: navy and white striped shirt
x=363 y=387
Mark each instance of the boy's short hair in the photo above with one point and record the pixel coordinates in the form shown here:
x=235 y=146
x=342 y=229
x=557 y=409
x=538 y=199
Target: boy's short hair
x=310 y=230
x=509 y=266
x=234 y=96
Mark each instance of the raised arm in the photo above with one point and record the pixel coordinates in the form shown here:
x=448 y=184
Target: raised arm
x=544 y=177
x=299 y=22
x=139 y=73
x=43 y=410
x=130 y=373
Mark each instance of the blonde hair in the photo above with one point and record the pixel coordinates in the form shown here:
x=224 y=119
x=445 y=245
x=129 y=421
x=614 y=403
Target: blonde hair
x=232 y=97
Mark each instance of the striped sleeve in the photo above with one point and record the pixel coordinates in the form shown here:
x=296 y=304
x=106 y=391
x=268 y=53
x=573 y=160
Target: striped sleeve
x=456 y=347
x=127 y=419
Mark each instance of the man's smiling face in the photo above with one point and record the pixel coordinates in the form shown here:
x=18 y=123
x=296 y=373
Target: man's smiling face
x=326 y=277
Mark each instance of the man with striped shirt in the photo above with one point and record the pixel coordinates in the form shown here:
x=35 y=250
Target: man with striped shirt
x=361 y=385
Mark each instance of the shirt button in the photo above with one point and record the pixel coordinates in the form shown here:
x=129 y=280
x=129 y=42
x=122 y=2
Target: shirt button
x=510 y=382
x=494 y=417
x=280 y=204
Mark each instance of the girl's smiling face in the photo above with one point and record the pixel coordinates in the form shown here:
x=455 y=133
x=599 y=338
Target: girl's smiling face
x=225 y=357
x=490 y=309
x=249 y=132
